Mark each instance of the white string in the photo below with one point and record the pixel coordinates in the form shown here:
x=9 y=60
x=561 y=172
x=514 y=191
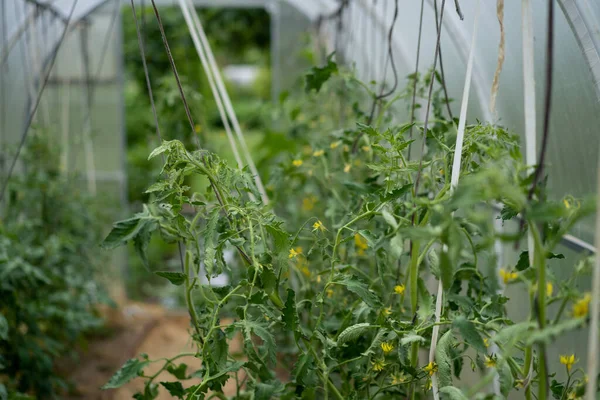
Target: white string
x=529 y=110
x=211 y=82
x=592 y=364
x=228 y=106
x=453 y=182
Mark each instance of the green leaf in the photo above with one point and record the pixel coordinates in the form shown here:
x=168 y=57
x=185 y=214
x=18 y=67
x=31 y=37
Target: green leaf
x=304 y=370
x=290 y=313
x=508 y=213
x=396 y=194
x=553 y=255
x=396 y=246
x=469 y=333
x=127 y=372
x=411 y=338
x=268 y=390
x=178 y=372
x=513 y=333
x=318 y=76
x=352 y=333
x=377 y=340
x=354 y=285
x=548 y=334
x=229 y=368
x=443 y=358
x=3 y=327
x=453 y=393
x=389 y=218
x=446 y=270
x=523 y=262
x=425 y=301
x=263 y=332
x=507 y=381
x=126 y=230
x=176 y=278
x=174 y=388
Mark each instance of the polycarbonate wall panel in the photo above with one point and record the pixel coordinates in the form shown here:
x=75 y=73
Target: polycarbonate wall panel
x=574 y=141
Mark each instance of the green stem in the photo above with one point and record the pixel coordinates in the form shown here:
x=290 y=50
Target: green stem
x=414 y=297
x=540 y=264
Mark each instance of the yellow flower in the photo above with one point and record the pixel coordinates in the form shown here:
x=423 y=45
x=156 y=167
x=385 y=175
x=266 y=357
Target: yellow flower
x=399 y=289
x=507 y=276
x=572 y=395
x=346 y=148
x=347 y=167
x=360 y=243
x=304 y=269
x=566 y=203
x=387 y=311
x=581 y=307
x=387 y=347
x=431 y=368
x=334 y=145
x=486 y=342
x=308 y=203
x=330 y=293
x=357 y=163
x=568 y=361
x=378 y=365
x=197 y=128
x=319 y=226
x=319 y=279
x=490 y=361
x=297 y=163
x=366 y=149
x=318 y=153
x=398 y=379
x=549 y=289
x=295 y=252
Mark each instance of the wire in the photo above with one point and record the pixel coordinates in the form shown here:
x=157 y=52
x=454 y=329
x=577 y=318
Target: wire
x=442 y=71
x=145 y=66
x=37 y=102
x=429 y=98
x=416 y=77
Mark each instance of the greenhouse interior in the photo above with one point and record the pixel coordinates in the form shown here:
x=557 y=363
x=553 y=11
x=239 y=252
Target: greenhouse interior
x=299 y=199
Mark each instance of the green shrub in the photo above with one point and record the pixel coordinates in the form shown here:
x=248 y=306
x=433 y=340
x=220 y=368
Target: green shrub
x=48 y=268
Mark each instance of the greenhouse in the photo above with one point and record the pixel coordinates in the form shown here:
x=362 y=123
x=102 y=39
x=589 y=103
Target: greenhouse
x=299 y=199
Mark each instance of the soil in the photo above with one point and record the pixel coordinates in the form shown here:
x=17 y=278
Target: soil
x=133 y=329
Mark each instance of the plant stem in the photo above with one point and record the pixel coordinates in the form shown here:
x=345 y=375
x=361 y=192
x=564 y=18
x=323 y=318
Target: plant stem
x=540 y=264
x=414 y=297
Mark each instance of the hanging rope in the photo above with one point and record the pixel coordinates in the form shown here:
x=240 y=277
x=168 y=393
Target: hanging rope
x=496 y=82
x=416 y=74
x=211 y=81
x=429 y=98
x=227 y=102
x=453 y=182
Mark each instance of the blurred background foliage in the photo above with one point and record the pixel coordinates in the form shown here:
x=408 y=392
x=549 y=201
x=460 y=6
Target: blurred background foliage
x=238 y=37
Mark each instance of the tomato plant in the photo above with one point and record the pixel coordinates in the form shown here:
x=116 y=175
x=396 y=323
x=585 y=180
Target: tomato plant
x=332 y=283
x=49 y=260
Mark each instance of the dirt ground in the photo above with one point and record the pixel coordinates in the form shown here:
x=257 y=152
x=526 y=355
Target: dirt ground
x=133 y=329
